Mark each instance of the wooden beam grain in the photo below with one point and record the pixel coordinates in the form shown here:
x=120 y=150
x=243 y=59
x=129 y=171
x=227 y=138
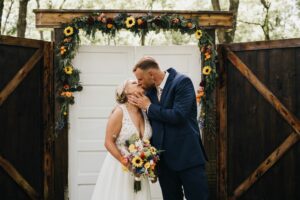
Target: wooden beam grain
x=274 y=44
x=207 y=19
x=292 y=139
x=15 y=41
x=18 y=178
x=264 y=91
x=222 y=129
x=48 y=120
x=21 y=74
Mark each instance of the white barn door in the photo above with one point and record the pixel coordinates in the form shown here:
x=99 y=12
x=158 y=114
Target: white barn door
x=103 y=68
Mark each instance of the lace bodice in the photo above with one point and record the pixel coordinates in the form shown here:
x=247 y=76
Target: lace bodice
x=128 y=129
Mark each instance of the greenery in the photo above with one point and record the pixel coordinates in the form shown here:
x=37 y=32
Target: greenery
x=68 y=75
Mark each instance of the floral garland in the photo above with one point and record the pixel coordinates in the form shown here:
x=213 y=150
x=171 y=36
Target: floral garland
x=68 y=76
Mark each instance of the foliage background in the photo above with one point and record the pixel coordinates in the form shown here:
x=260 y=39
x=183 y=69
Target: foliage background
x=284 y=19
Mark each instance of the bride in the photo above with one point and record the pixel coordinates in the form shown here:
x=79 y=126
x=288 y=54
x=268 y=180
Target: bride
x=113 y=182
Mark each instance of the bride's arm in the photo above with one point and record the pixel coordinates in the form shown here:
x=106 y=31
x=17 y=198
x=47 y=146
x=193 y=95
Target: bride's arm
x=113 y=129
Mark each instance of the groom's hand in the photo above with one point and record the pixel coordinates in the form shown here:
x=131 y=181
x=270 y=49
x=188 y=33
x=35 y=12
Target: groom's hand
x=139 y=100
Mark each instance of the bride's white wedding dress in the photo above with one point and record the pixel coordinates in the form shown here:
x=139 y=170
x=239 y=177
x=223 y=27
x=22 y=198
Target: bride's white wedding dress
x=113 y=183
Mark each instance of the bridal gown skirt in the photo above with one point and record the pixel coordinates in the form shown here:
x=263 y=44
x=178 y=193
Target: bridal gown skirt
x=115 y=184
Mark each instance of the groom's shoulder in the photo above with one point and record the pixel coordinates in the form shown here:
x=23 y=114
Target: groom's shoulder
x=179 y=78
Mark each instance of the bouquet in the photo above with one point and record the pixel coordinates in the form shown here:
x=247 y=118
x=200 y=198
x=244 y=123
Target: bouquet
x=142 y=160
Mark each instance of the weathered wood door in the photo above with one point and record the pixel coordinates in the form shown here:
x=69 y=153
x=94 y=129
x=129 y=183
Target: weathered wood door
x=26 y=118
x=258 y=100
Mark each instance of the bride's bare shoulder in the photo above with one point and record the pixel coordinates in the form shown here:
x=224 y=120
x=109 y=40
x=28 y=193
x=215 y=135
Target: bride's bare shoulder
x=116 y=113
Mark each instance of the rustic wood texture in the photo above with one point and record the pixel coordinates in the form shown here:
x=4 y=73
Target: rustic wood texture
x=61 y=147
x=207 y=19
x=247 y=46
x=17 y=177
x=48 y=120
x=22 y=73
x=266 y=165
x=8 y=40
x=255 y=128
x=264 y=91
x=25 y=124
x=221 y=98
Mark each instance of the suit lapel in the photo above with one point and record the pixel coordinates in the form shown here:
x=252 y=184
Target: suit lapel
x=172 y=74
x=152 y=94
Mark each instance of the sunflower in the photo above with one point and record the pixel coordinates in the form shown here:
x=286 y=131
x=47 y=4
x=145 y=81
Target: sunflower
x=130 y=22
x=147 y=165
x=146 y=141
x=153 y=150
x=132 y=148
x=137 y=161
x=68 y=70
x=198 y=34
x=68 y=31
x=206 y=70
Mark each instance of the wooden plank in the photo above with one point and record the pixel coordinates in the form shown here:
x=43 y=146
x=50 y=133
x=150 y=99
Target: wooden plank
x=266 y=165
x=60 y=158
x=207 y=19
x=221 y=96
x=18 y=178
x=8 y=40
x=267 y=94
x=22 y=73
x=274 y=44
x=48 y=121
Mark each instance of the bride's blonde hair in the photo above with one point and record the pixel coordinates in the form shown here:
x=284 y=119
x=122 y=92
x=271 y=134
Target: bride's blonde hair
x=121 y=96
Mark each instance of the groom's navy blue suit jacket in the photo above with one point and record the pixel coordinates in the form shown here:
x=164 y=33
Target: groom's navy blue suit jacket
x=174 y=123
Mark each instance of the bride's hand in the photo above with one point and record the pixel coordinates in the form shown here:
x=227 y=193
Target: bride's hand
x=124 y=162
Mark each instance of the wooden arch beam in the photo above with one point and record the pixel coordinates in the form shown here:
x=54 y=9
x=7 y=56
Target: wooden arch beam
x=48 y=18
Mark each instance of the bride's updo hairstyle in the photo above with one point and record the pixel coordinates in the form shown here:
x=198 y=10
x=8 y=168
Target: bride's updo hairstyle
x=121 y=96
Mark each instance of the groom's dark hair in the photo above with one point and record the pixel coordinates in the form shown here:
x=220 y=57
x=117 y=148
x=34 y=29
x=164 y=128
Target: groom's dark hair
x=146 y=63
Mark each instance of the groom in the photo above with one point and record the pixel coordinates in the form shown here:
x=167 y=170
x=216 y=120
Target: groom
x=170 y=103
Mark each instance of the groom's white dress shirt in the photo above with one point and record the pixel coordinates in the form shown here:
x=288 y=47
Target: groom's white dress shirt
x=162 y=85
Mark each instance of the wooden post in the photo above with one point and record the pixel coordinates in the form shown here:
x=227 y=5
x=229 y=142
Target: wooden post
x=222 y=128
x=61 y=147
x=48 y=121
x=209 y=141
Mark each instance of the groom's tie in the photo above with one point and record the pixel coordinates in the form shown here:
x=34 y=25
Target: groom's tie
x=159 y=92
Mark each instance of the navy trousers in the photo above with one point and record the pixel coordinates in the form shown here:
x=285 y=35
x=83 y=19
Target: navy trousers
x=191 y=183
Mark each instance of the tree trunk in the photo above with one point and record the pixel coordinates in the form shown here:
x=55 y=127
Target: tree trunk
x=38 y=7
x=1 y=12
x=225 y=36
x=21 y=25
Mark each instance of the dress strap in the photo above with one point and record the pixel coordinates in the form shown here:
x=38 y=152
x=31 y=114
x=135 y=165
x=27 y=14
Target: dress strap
x=125 y=112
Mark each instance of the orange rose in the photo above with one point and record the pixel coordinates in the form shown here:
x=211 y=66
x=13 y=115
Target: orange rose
x=189 y=25
x=140 y=22
x=68 y=94
x=109 y=26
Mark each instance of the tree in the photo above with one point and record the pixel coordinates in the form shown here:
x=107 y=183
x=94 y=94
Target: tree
x=266 y=25
x=21 y=24
x=7 y=16
x=1 y=12
x=227 y=36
